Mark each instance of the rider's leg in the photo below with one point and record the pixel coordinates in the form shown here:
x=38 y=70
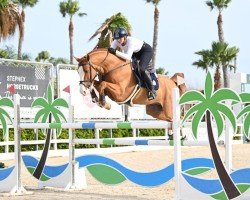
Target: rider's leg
x=145 y=58
x=149 y=83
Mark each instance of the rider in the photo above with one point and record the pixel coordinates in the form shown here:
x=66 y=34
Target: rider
x=135 y=48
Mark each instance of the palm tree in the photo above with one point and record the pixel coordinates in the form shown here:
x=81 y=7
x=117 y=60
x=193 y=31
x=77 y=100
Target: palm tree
x=219 y=55
x=205 y=61
x=245 y=113
x=23 y=4
x=3 y=54
x=107 y=29
x=10 y=18
x=43 y=55
x=212 y=103
x=9 y=52
x=230 y=57
x=26 y=56
x=162 y=71
x=60 y=60
x=156 y=23
x=220 y=5
x=5 y=102
x=49 y=109
x=71 y=7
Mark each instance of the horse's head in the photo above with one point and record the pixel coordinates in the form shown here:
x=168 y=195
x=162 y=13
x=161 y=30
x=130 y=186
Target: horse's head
x=87 y=74
x=89 y=66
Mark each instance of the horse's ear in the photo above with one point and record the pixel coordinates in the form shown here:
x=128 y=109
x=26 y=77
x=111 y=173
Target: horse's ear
x=77 y=59
x=88 y=57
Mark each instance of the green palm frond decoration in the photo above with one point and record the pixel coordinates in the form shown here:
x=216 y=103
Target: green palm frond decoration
x=212 y=101
x=5 y=102
x=49 y=107
x=245 y=113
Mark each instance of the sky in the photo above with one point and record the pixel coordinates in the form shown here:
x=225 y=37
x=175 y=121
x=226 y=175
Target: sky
x=185 y=26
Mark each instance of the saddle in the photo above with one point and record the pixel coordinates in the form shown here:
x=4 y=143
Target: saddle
x=138 y=77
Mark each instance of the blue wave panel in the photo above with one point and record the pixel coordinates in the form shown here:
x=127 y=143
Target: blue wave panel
x=50 y=171
x=88 y=125
x=30 y=161
x=147 y=179
x=211 y=186
x=5 y=172
x=241 y=176
x=197 y=162
x=207 y=186
x=53 y=171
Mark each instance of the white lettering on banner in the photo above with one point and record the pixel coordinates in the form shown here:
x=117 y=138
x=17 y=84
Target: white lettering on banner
x=16 y=78
x=23 y=86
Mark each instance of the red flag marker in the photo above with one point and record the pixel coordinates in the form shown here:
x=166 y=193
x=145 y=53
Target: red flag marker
x=12 y=89
x=67 y=89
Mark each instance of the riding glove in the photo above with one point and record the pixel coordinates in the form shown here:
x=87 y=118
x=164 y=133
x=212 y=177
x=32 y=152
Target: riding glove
x=111 y=50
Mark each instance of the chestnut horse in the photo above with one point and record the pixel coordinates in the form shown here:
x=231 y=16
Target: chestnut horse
x=117 y=81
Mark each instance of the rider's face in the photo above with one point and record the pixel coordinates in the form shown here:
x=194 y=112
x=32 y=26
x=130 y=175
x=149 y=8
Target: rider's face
x=121 y=40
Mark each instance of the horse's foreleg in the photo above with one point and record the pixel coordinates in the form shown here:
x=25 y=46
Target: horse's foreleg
x=102 y=100
x=109 y=88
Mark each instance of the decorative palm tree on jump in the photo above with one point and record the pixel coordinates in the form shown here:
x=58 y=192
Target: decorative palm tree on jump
x=245 y=113
x=211 y=103
x=49 y=109
x=5 y=102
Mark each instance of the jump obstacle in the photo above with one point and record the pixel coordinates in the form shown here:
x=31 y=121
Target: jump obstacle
x=72 y=176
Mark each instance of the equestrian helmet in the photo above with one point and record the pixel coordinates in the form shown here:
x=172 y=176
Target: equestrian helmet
x=119 y=33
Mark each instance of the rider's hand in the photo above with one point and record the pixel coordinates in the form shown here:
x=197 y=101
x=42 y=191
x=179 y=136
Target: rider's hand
x=111 y=50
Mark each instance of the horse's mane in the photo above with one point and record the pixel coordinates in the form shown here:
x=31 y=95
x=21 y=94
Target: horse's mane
x=98 y=49
x=105 y=50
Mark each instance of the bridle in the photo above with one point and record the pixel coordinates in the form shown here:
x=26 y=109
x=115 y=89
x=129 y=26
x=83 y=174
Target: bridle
x=99 y=68
x=92 y=66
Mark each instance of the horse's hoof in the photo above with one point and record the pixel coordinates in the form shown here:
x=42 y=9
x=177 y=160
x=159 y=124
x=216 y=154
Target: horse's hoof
x=107 y=106
x=95 y=100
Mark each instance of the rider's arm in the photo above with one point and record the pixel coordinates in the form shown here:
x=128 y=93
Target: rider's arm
x=114 y=44
x=129 y=52
x=123 y=55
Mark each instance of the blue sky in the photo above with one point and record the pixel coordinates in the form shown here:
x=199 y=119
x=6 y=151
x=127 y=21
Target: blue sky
x=185 y=26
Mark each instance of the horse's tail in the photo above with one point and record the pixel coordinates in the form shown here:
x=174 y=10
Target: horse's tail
x=179 y=80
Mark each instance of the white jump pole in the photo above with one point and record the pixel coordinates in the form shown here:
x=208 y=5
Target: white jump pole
x=228 y=144
x=177 y=143
x=71 y=145
x=19 y=189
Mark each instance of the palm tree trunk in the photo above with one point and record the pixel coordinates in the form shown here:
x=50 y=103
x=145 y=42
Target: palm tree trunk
x=226 y=181
x=155 y=38
x=39 y=168
x=217 y=78
x=221 y=39
x=21 y=36
x=220 y=27
x=71 y=34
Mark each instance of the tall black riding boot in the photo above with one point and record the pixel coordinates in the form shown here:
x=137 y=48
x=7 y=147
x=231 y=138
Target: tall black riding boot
x=149 y=84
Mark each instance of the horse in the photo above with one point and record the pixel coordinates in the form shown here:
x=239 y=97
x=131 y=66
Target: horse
x=118 y=82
